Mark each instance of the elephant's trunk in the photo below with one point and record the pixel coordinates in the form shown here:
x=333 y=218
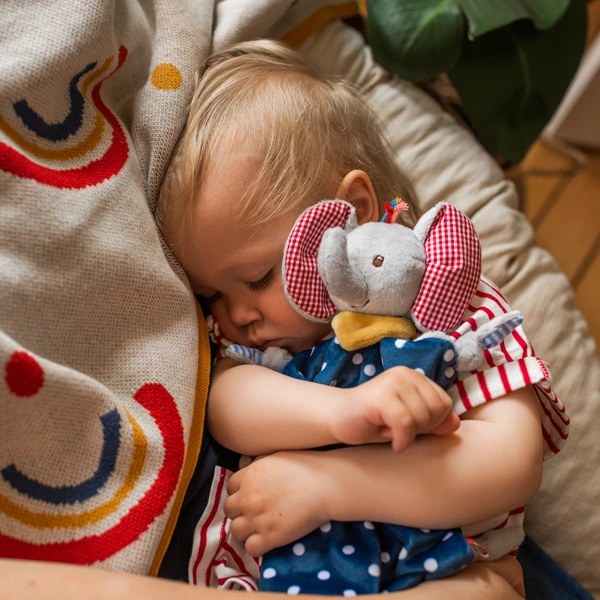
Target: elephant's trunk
x=341 y=280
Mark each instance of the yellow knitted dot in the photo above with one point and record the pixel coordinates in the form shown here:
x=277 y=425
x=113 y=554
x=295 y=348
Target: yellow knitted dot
x=166 y=77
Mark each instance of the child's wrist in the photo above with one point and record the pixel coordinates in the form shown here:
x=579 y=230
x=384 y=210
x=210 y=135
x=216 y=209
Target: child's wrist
x=335 y=407
x=325 y=484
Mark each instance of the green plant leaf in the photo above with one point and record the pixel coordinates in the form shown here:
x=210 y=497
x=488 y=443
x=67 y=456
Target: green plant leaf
x=416 y=39
x=511 y=80
x=486 y=15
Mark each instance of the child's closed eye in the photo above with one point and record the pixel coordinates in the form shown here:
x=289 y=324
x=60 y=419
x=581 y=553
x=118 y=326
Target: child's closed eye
x=263 y=282
x=212 y=298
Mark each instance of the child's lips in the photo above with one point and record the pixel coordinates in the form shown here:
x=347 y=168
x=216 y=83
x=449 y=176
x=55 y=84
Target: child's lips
x=269 y=343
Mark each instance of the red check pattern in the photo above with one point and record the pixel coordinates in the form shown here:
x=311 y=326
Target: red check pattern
x=304 y=286
x=453 y=267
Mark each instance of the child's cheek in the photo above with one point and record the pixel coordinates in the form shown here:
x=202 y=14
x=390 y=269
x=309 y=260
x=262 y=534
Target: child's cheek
x=227 y=329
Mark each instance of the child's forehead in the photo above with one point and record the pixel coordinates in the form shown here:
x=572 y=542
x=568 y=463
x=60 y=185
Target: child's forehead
x=220 y=244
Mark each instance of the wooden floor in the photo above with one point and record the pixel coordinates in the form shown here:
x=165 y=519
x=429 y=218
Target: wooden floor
x=561 y=199
x=562 y=202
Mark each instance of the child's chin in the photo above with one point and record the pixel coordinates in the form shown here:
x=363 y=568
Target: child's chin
x=298 y=346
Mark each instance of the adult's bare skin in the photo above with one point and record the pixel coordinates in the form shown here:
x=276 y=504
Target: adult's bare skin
x=24 y=580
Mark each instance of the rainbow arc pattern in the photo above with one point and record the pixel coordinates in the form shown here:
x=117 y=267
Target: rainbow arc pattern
x=17 y=162
x=90 y=521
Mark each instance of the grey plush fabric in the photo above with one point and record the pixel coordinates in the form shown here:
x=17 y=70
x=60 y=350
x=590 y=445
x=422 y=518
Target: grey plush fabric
x=346 y=265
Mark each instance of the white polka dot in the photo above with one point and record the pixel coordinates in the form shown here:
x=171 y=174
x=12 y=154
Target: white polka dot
x=349 y=593
x=403 y=554
x=374 y=570
x=425 y=530
x=269 y=573
x=311 y=353
x=298 y=549
x=369 y=370
x=336 y=341
x=399 y=343
x=348 y=550
x=385 y=557
x=333 y=382
x=368 y=525
x=293 y=590
x=447 y=536
x=324 y=575
x=325 y=527
x=357 y=358
x=448 y=355
x=419 y=370
x=449 y=372
x=324 y=366
x=430 y=565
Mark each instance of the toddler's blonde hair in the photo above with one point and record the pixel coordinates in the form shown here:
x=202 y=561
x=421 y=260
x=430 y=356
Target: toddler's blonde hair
x=311 y=130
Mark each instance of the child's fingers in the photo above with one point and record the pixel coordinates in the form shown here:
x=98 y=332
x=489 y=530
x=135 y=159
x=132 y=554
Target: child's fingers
x=232 y=506
x=508 y=568
x=436 y=404
x=242 y=529
x=257 y=545
x=420 y=407
x=398 y=424
x=235 y=481
x=450 y=424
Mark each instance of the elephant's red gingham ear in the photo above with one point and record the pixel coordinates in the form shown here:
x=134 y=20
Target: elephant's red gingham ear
x=303 y=286
x=453 y=268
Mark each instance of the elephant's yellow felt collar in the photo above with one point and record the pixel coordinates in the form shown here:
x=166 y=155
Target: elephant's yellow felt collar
x=356 y=330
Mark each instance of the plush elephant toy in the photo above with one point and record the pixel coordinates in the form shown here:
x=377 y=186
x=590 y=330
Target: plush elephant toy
x=384 y=280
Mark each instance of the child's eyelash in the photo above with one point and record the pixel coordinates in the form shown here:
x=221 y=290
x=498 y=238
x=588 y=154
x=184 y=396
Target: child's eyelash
x=213 y=298
x=261 y=284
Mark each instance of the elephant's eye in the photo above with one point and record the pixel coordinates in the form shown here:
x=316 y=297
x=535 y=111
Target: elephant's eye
x=378 y=261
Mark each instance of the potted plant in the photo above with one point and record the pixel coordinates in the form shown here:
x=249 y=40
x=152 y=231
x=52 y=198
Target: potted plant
x=510 y=61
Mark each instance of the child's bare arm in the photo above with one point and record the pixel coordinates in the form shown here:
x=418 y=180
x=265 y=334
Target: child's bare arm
x=491 y=465
x=486 y=468
x=255 y=411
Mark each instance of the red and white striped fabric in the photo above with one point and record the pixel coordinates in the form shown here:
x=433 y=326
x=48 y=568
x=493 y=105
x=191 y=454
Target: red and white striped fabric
x=216 y=337
x=217 y=559
x=453 y=268
x=509 y=366
x=301 y=281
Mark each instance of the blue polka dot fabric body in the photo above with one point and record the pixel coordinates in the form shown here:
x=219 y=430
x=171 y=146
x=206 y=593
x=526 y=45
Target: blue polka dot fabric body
x=330 y=364
x=367 y=558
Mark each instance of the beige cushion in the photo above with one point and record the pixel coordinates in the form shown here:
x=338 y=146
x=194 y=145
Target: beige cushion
x=447 y=163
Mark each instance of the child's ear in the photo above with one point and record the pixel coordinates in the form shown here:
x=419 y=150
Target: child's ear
x=356 y=188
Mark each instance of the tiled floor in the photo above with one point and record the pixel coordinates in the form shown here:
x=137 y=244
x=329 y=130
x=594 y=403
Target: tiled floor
x=562 y=201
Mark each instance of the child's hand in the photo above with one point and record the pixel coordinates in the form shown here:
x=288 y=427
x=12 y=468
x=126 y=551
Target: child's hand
x=395 y=406
x=277 y=499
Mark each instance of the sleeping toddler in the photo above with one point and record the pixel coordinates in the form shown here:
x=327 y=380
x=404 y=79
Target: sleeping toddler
x=267 y=137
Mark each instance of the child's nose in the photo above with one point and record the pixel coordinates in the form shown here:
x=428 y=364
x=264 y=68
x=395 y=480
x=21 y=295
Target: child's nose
x=242 y=313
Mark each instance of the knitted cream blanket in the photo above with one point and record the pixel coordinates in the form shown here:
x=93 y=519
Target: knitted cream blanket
x=104 y=362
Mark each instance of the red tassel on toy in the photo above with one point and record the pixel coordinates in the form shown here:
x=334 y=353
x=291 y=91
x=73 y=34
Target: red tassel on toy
x=393 y=210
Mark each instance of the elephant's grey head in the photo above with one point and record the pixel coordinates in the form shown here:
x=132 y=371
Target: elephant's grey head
x=377 y=268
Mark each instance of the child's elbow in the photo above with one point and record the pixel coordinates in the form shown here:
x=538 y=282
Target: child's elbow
x=529 y=466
